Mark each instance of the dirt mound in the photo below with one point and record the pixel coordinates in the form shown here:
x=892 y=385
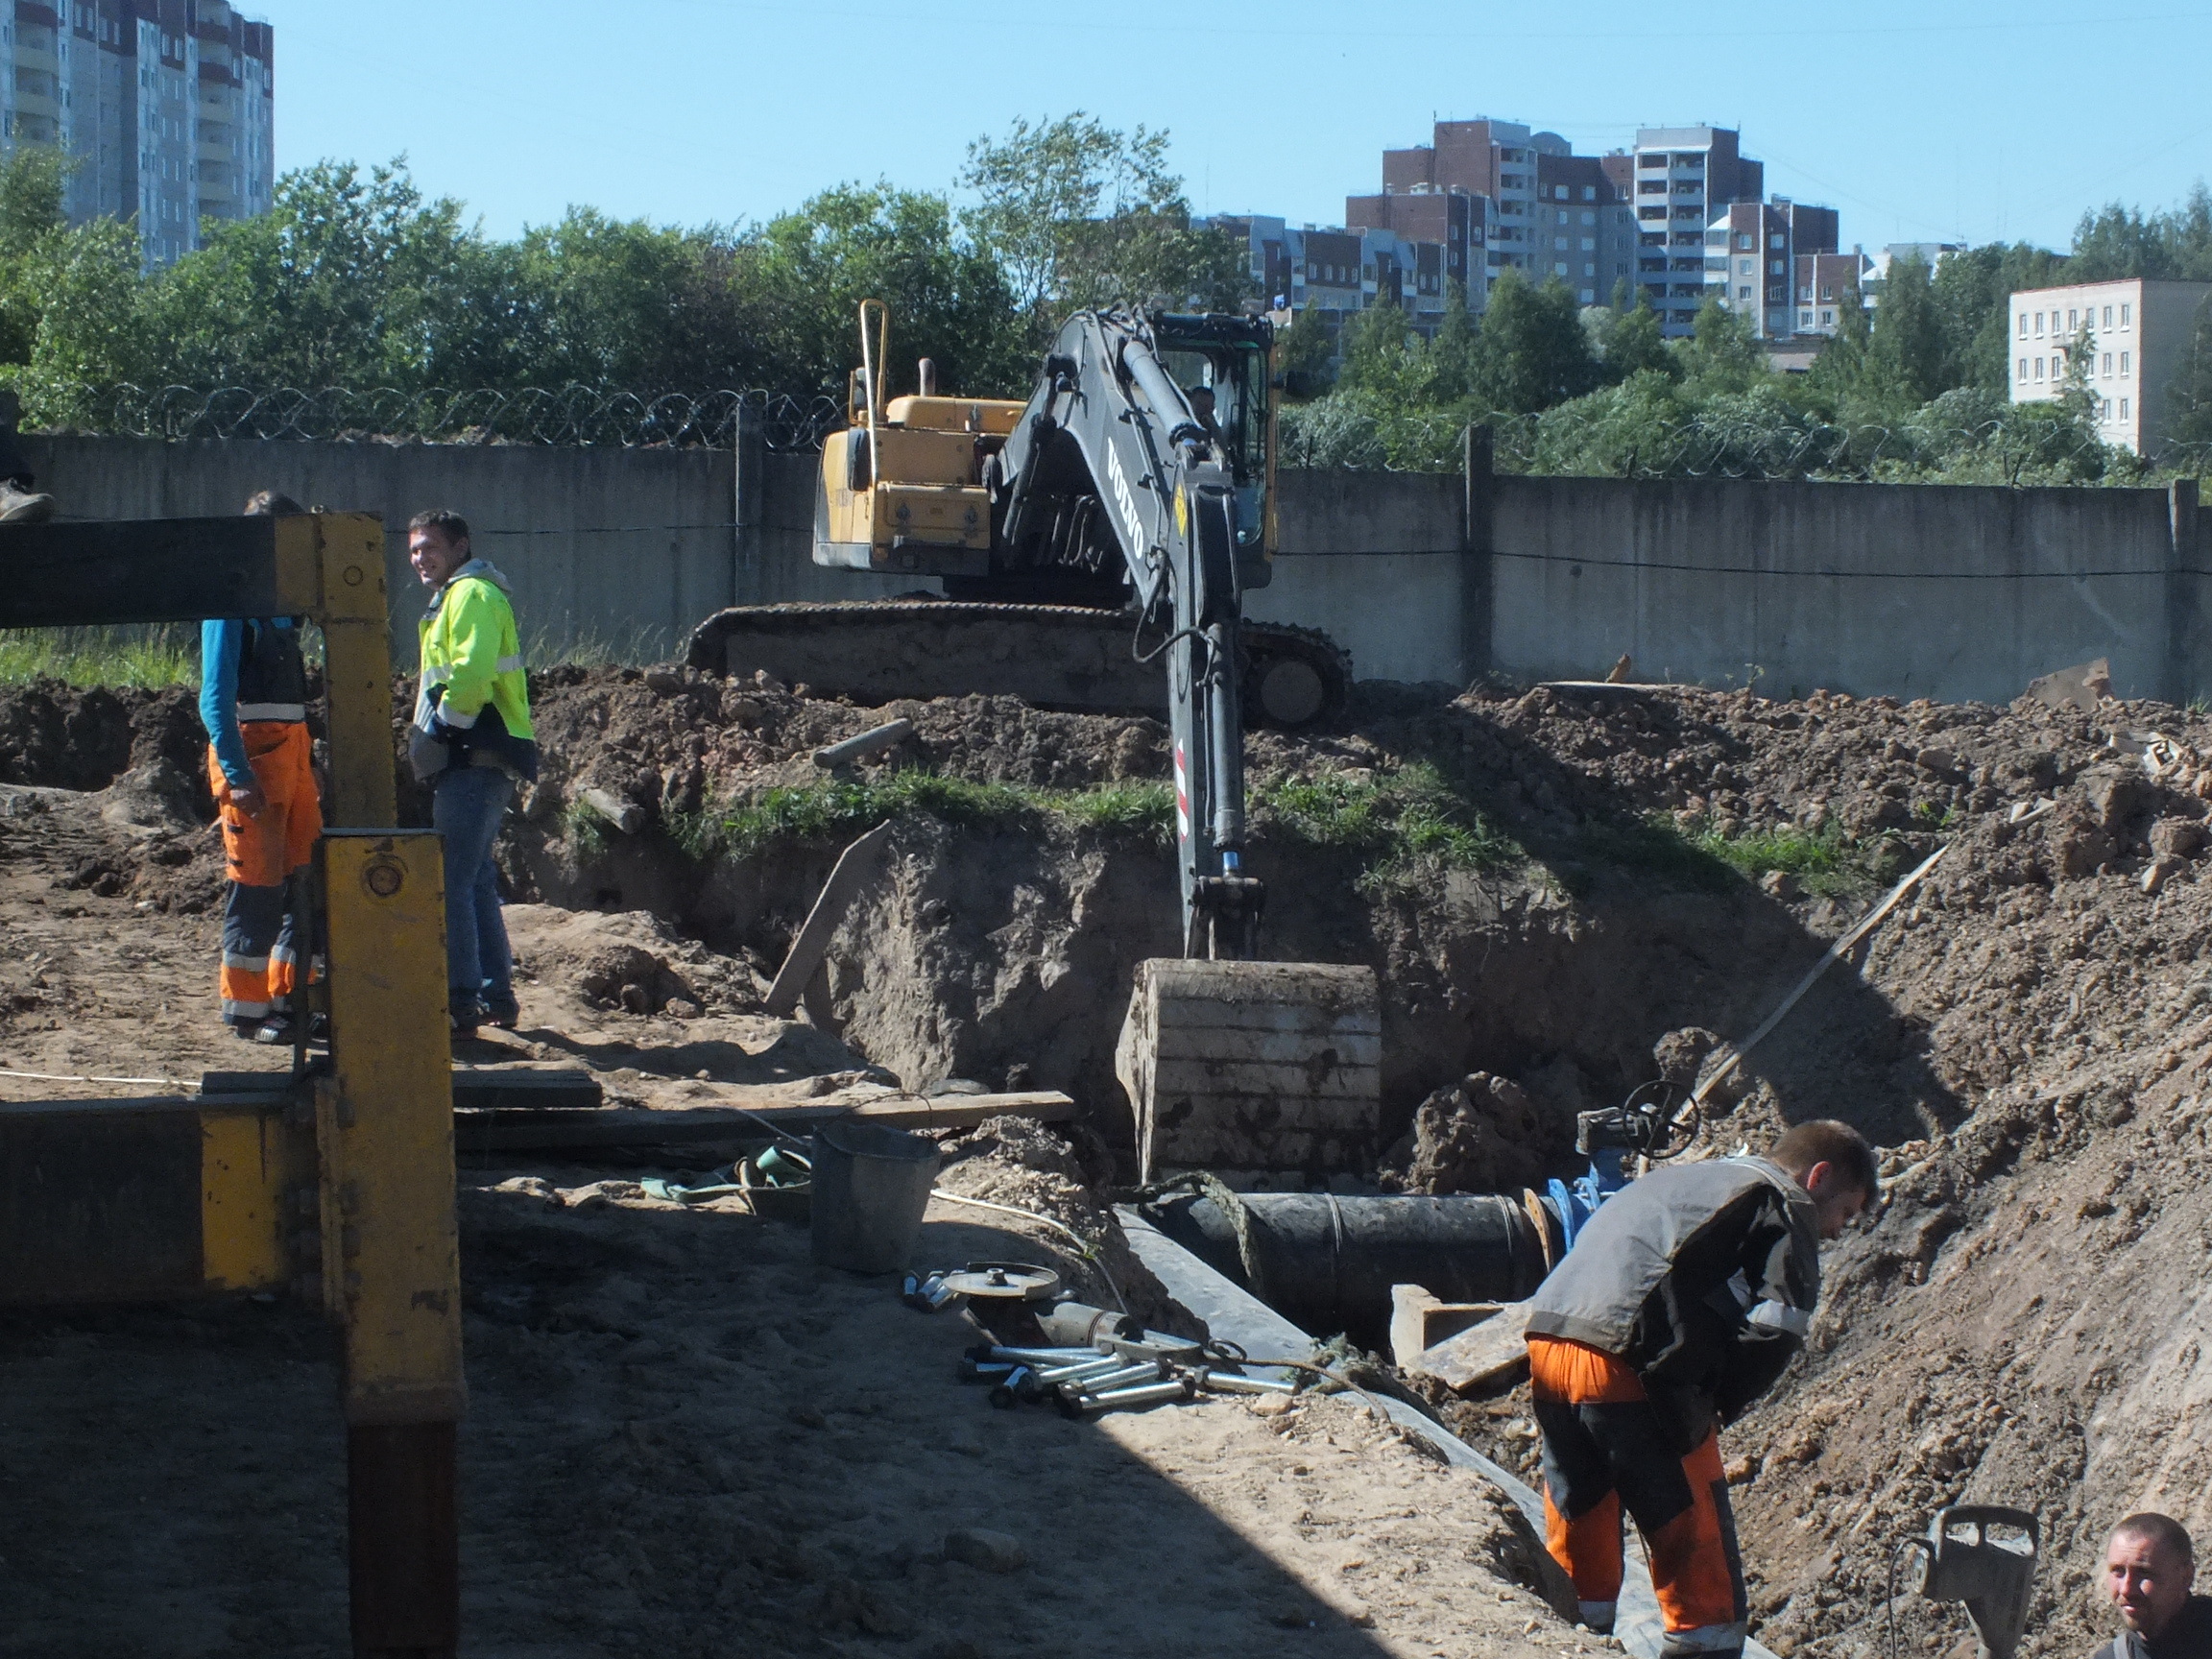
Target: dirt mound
x=1483 y=1134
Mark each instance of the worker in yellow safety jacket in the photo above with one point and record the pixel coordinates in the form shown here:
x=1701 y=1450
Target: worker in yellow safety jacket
x=472 y=742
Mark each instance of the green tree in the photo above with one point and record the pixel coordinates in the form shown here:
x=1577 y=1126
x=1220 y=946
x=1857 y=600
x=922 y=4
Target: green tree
x=1531 y=350
x=346 y=281
x=1722 y=353
x=1079 y=215
x=2191 y=425
x=1454 y=350
x=32 y=182
x=1906 y=357
x=949 y=300
x=1304 y=352
x=1632 y=342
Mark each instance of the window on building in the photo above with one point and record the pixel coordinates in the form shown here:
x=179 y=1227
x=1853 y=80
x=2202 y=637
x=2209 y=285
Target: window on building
x=1826 y=318
x=2023 y=324
x=1589 y=295
x=1589 y=192
x=1589 y=218
x=1742 y=267
x=2122 y=408
x=1589 y=244
x=1589 y=268
x=2073 y=321
x=2107 y=316
x=1559 y=192
x=1775 y=243
x=1804 y=319
x=2038 y=368
x=1774 y=268
x=2022 y=371
x=2123 y=365
x=1744 y=294
x=2039 y=324
x=2107 y=362
x=2122 y=324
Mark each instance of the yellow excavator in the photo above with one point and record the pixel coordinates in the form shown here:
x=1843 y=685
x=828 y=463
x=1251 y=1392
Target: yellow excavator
x=1096 y=544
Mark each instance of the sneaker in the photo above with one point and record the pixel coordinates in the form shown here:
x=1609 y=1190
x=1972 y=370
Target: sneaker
x=502 y=1013
x=18 y=506
x=274 y=1032
x=466 y=1012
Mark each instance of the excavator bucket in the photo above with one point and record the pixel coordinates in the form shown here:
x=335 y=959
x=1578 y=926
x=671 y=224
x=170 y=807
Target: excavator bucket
x=1269 y=1067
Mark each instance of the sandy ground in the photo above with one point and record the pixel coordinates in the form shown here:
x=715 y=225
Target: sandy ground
x=684 y=1437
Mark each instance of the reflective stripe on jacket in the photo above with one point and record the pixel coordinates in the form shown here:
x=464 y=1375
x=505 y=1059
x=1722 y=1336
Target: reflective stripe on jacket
x=473 y=707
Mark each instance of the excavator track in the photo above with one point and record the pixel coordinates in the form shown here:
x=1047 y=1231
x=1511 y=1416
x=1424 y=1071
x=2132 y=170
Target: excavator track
x=1068 y=657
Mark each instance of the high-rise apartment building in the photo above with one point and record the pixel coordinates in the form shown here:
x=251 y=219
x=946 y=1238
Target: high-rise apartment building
x=1751 y=255
x=2135 y=336
x=1682 y=180
x=166 y=106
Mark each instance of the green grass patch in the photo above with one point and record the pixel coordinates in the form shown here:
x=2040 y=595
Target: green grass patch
x=154 y=656
x=840 y=807
x=1824 y=861
x=1404 y=823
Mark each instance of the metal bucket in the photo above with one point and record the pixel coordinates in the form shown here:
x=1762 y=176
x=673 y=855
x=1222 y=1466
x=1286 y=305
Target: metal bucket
x=871 y=1184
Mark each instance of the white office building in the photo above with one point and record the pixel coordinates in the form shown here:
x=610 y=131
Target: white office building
x=2128 y=337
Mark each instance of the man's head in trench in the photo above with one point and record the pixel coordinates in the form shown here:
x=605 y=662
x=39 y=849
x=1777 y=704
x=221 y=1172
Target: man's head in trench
x=1836 y=1166
x=2149 y=1565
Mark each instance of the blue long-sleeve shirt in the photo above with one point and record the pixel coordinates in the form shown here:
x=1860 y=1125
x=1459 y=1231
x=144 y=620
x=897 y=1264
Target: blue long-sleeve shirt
x=220 y=646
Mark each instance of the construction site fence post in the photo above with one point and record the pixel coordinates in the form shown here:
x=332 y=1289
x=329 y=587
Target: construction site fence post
x=2184 y=677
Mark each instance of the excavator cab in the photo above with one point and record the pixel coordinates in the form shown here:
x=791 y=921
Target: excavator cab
x=1224 y=362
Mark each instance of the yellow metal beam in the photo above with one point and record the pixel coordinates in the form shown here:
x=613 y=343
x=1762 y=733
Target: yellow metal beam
x=251 y=1162
x=338 y=558
x=384 y=1123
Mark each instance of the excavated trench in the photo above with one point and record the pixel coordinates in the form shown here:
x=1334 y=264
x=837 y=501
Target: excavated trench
x=2026 y=1038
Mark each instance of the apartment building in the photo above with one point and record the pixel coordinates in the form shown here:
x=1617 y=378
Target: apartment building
x=2130 y=337
x=167 y=106
x=1681 y=181
x=1751 y=254
x=1821 y=281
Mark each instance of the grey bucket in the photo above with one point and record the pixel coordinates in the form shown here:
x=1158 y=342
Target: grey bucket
x=871 y=1184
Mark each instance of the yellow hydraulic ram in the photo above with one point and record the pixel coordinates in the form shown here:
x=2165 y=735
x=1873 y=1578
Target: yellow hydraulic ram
x=336 y=1183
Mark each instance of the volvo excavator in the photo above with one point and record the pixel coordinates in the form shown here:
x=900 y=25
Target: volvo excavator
x=1096 y=546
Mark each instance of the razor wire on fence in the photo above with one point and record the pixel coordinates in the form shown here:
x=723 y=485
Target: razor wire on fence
x=1734 y=439
x=573 y=415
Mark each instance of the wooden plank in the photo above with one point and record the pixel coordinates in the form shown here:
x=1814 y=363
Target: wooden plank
x=517 y=1131
x=854 y=867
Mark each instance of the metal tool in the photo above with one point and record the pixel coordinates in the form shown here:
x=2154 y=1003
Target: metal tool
x=1032 y=1356
x=927 y=1292
x=1078 y=1322
x=1985 y=1557
x=1081 y=1372
x=1142 y=1394
x=1229 y=1382
x=1020 y=1384
x=1003 y=1281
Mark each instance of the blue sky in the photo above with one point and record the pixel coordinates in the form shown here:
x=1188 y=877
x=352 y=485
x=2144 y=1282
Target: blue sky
x=1919 y=122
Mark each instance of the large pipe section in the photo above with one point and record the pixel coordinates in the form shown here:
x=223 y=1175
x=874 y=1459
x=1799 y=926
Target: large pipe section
x=1327 y=1262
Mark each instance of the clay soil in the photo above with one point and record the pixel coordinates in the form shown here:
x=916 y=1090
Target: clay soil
x=2026 y=1038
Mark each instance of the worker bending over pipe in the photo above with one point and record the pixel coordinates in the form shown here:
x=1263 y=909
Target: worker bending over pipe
x=1681 y=1302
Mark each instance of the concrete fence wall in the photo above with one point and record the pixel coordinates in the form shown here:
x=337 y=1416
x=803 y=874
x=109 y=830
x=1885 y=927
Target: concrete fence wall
x=1914 y=591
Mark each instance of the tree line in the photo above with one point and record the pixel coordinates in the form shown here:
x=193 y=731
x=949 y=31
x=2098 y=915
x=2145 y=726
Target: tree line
x=358 y=279
x=1915 y=385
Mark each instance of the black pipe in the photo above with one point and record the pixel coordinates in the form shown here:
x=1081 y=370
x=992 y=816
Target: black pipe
x=1327 y=1263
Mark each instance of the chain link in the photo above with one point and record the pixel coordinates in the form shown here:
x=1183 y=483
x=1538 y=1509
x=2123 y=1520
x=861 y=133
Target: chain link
x=573 y=415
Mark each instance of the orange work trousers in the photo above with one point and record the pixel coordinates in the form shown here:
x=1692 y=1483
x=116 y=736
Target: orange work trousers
x=1606 y=1448
x=261 y=854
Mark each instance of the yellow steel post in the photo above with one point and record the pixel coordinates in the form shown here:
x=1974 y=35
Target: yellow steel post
x=392 y=1268
x=339 y=557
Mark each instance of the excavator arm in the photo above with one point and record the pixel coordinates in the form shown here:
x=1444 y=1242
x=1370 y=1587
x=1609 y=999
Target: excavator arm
x=1110 y=454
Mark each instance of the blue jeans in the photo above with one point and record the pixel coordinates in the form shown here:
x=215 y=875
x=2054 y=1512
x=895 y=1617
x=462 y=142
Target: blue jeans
x=466 y=805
